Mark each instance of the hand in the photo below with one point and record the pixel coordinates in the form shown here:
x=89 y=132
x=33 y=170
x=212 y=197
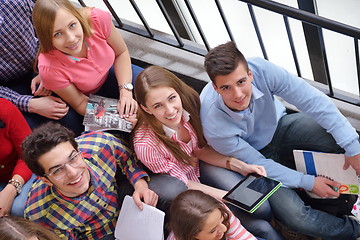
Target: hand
x=143 y=192
x=7 y=196
x=244 y=168
x=133 y=119
x=353 y=161
x=40 y=91
x=127 y=106
x=322 y=187
x=49 y=107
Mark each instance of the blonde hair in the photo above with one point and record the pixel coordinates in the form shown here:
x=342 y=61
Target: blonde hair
x=44 y=14
x=154 y=77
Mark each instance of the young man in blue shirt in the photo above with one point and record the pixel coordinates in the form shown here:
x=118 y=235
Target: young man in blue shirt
x=256 y=129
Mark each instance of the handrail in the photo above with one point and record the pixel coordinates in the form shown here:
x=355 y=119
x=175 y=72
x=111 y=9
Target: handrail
x=317 y=23
x=306 y=17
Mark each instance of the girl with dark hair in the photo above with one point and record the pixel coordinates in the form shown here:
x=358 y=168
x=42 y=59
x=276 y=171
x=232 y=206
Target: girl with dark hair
x=13 y=171
x=196 y=215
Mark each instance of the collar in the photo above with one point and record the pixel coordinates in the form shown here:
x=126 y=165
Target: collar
x=169 y=132
x=256 y=94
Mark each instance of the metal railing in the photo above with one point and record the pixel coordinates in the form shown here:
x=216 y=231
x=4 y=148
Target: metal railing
x=313 y=26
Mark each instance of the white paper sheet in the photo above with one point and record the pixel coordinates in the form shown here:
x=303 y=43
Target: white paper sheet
x=134 y=224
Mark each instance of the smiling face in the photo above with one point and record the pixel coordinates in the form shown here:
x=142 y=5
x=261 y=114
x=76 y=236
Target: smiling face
x=76 y=180
x=68 y=35
x=165 y=104
x=235 y=88
x=213 y=229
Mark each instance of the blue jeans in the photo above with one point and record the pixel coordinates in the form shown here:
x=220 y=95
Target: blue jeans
x=18 y=206
x=291 y=211
x=165 y=186
x=297 y=131
x=258 y=222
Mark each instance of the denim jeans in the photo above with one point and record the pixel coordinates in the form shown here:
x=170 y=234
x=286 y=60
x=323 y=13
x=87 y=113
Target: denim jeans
x=18 y=206
x=291 y=211
x=297 y=131
x=258 y=222
x=165 y=186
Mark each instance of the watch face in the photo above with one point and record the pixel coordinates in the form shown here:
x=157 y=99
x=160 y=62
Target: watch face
x=129 y=86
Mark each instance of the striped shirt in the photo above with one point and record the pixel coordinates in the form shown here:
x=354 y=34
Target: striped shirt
x=155 y=156
x=18 y=42
x=93 y=214
x=236 y=230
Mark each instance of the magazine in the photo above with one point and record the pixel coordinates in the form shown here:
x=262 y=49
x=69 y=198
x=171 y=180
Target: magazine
x=102 y=114
x=328 y=165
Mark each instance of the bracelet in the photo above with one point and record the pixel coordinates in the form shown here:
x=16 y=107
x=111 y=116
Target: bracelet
x=16 y=184
x=228 y=160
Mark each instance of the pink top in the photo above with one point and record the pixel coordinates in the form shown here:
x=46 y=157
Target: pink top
x=236 y=230
x=154 y=155
x=58 y=70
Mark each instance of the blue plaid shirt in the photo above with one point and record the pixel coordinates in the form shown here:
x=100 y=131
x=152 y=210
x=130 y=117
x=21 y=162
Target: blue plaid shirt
x=18 y=46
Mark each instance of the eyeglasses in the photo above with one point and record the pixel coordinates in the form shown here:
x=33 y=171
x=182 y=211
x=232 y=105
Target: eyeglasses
x=60 y=172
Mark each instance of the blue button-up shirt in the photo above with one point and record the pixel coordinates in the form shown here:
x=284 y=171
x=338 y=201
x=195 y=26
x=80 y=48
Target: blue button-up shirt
x=246 y=132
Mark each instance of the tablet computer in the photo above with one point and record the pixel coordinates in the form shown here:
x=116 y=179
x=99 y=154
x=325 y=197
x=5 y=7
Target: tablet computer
x=251 y=192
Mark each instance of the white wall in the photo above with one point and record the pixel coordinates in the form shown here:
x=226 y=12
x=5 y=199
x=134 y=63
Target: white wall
x=339 y=49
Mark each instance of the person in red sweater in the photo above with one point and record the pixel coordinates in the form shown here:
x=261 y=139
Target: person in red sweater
x=14 y=173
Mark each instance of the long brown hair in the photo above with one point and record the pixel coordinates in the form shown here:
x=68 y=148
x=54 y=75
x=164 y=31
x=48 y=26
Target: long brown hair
x=16 y=228
x=189 y=211
x=44 y=14
x=154 y=77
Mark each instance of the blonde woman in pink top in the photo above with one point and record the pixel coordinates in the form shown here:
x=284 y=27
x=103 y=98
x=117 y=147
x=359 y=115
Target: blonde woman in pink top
x=81 y=53
x=197 y=215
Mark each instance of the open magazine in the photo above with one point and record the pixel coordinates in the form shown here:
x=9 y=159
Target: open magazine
x=102 y=114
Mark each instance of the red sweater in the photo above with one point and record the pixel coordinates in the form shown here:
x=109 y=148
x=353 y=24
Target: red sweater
x=11 y=137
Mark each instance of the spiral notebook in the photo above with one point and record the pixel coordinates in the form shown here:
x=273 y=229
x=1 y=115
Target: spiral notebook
x=329 y=165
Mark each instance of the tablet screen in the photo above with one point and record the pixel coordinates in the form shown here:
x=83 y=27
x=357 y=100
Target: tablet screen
x=252 y=191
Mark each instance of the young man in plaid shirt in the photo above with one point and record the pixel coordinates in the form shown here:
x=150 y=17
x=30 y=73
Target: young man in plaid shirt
x=76 y=193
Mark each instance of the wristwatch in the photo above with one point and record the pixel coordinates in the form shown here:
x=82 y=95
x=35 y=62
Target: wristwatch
x=127 y=86
x=16 y=184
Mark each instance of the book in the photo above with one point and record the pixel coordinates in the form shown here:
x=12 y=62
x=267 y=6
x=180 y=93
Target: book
x=251 y=192
x=329 y=165
x=136 y=224
x=102 y=114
